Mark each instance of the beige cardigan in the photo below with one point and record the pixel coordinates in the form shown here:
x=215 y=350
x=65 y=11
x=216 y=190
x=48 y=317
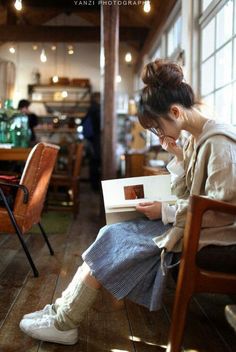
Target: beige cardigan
x=210 y=170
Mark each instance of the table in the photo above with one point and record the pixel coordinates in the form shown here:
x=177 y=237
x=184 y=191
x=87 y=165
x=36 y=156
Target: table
x=19 y=154
x=149 y=171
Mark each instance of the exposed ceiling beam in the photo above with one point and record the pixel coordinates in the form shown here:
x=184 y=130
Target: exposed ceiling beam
x=45 y=34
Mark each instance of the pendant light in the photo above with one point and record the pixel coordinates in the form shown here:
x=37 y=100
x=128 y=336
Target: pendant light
x=18 y=5
x=147 y=6
x=43 y=57
x=128 y=57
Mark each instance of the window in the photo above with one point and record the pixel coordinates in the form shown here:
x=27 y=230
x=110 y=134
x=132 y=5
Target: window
x=218 y=59
x=174 y=37
x=205 y=4
x=156 y=54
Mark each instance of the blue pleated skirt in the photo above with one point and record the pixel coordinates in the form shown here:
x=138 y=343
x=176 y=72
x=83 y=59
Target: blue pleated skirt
x=126 y=261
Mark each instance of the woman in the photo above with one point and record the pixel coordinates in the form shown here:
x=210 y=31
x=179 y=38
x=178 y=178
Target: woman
x=129 y=259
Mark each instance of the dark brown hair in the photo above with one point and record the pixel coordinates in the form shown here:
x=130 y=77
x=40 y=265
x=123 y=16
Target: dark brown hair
x=164 y=87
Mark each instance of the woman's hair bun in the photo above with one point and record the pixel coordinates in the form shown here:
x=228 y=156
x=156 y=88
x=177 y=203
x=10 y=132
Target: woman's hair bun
x=161 y=73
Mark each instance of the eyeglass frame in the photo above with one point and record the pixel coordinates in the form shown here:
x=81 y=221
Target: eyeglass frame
x=157 y=131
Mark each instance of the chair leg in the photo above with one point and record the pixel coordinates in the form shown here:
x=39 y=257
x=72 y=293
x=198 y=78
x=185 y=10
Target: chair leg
x=20 y=235
x=178 y=322
x=46 y=239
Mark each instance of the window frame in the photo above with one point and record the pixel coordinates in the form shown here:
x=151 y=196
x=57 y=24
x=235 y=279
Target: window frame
x=206 y=17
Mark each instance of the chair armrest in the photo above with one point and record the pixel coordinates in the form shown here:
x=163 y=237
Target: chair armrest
x=22 y=187
x=197 y=207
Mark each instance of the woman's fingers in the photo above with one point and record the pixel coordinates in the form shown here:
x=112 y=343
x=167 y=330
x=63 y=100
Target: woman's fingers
x=144 y=204
x=152 y=210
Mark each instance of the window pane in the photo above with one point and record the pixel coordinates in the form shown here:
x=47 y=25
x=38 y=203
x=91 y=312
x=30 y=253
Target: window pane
x=174 y=37
x=157 y=54
x=170 y=40
x=234 y=105
x=224 y=23
x=224 y=65
x=223 y=104
x=205 y=4
x=234 y=57
x=207 y=76
x=208 y=39
x=208 y=105
x=235 y=16
x=209 y=101
x=177 y=32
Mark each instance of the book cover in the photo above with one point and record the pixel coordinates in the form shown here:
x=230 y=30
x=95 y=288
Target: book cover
x=121 y=196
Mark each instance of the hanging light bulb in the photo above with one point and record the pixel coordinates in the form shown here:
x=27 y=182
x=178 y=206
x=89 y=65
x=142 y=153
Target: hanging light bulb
x=12 y=50
x=35 y=47
x=118 y=79
x=43 y=57
x=147 y=6
x=53 y=47
x=18 y=5
x=64 y=94
x=70 y=50
x=55 y=79
x=128 y=57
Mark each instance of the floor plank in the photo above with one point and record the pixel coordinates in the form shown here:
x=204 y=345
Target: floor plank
x=149 y=330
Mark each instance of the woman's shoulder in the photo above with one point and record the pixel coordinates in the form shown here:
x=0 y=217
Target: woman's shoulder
x=216 y=133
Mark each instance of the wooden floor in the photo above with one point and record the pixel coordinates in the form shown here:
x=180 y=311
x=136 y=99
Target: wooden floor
x=109 y=326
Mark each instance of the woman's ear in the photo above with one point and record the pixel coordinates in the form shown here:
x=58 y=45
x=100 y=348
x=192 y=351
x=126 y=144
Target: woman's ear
x=175 y=111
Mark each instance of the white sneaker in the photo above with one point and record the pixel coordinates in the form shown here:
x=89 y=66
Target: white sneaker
x=47 y=310
x=44 y=329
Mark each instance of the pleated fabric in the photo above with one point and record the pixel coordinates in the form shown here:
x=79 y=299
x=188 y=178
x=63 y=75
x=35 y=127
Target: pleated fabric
x=126 y=261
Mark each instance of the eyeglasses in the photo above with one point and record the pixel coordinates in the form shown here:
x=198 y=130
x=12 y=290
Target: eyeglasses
x=157 y=131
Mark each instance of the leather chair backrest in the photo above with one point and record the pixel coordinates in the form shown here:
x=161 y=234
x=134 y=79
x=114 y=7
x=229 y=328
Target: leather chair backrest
x=36 y=176
x=78 y=160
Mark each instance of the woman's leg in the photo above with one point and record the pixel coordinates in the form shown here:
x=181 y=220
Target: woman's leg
x=58 y=322
x=82 y=274
x=75 y=301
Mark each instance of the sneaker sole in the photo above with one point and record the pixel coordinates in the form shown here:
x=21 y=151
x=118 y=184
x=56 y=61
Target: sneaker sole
x=34 y=336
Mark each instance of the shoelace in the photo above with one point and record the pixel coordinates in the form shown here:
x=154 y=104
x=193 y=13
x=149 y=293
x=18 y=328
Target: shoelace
x=45 y=321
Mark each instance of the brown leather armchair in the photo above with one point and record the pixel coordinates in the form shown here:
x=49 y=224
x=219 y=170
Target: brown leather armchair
x=30 y=196
x=203 y=271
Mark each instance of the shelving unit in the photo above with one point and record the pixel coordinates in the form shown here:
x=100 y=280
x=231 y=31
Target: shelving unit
x=65 y=105
x=76 y=101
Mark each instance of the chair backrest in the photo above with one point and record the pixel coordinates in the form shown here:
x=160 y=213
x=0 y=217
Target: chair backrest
x=192 y=278
x=36 y=176
x=78 y=160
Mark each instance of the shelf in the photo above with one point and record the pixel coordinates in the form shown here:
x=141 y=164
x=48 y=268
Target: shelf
x=74 y=106
x=61 y=102
x=69 y=115
x=55 y=130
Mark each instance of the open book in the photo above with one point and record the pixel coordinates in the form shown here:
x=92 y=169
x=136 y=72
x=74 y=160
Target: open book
x=121 y=196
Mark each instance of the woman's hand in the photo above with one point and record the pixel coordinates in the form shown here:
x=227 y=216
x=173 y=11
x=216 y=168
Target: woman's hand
x=152 y=210
x=170 y=145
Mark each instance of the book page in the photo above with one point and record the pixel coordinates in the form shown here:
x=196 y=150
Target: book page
x=121 y=196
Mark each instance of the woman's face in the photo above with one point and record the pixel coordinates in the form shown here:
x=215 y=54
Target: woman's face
x=170 y=128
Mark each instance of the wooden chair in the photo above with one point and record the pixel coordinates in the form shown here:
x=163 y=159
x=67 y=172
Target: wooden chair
x=69 y=179
x=30 y=196
x=191 y=278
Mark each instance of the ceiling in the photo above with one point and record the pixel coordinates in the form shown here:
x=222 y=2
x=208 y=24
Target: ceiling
x=34 y=23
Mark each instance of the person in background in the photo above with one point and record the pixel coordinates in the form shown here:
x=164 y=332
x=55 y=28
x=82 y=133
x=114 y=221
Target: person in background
x=130 y=258
x=23 y=106
x=92 y=133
